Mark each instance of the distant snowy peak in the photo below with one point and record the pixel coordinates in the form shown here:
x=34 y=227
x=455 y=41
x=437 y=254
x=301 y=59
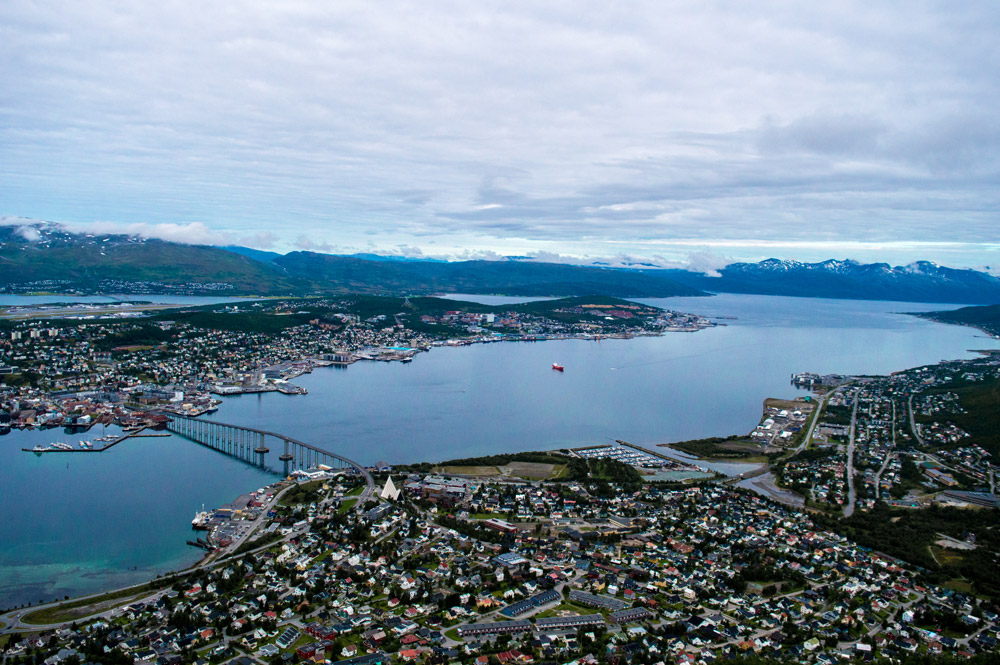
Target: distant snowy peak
x=921 y=281
x=773 y=265
x=43 y=234
x=847 y=267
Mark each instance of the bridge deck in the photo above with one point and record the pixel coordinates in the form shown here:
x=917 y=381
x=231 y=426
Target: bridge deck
x=369 y=481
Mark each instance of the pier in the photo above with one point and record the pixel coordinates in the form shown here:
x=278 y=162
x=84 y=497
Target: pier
x=110 y=444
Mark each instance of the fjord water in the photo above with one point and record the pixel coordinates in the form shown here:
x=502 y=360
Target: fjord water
x=488 y=398
x=79 y=529
x=79 y=523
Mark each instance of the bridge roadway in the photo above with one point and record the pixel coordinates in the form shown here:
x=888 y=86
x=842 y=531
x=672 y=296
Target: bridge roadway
x=196 y=426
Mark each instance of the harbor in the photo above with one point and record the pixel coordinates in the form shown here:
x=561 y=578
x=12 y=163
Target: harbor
x=109 y=441
x=651 y=464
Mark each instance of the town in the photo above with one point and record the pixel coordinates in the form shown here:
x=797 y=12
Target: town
x=80 y=372
x=452 y=570
x=609 y=553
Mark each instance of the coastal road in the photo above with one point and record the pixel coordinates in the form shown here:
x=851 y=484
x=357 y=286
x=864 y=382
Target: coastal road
x=851 y=493
x=812 y=426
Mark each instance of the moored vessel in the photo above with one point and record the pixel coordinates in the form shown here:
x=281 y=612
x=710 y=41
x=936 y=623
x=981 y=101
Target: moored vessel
x=200 y=521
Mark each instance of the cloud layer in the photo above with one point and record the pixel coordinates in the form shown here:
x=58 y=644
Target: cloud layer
x=649 y=128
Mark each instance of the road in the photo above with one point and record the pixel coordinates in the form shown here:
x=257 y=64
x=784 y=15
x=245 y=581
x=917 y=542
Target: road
x=767 y=485
x=851 y=492
x=878 y=476
x=913 y=423
x=812 y=426
x=888 y=456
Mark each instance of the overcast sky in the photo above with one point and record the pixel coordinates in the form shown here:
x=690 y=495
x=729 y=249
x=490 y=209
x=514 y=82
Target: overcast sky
x=689 y=132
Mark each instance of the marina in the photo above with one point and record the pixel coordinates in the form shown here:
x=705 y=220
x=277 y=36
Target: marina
x=87 y=446
x=653 y=465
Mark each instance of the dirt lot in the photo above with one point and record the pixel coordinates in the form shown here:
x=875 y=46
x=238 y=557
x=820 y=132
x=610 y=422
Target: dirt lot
x=791 y=405
x=487 y=471
x=526 y=470
x=532 y=470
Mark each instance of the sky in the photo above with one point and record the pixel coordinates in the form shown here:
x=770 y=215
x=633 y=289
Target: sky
x=680 y=133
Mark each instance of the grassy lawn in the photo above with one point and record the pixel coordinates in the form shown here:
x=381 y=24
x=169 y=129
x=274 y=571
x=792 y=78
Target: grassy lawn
x=569 y=606
x=453 y=634
x=346 y=505
x=304 y=639
x=302 y=493
x=946 y=557
x=73 y=610
x=960 y=585
x=355 y=491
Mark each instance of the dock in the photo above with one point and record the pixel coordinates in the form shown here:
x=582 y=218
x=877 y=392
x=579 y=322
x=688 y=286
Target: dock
x=110 y=444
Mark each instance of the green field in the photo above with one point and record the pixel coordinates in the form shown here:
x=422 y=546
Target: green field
x=73 y=610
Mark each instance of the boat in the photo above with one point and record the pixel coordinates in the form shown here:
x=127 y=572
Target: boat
x=557 y=367
x=59 y=445
x=200 y=521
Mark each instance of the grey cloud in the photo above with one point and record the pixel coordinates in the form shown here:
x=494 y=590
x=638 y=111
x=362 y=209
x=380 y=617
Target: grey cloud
x=29 y=233
x=260 y=240
x=286 y=123
x=832 y=134
x=308 y=244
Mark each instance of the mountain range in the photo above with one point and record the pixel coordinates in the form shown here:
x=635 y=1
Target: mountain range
x=48 y=258
x=921 y=281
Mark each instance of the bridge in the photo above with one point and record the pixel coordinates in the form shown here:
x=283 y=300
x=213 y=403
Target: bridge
x=250 y=445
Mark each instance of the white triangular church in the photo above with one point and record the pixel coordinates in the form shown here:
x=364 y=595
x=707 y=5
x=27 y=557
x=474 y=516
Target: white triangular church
x=389 y=491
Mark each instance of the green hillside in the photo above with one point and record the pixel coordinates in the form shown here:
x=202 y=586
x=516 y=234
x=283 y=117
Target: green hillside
x=55 y=260
x=516 y=278
x=89 y=262
x=986 y=317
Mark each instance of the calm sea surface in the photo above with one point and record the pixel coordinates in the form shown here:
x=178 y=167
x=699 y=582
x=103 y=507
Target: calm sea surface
x=81 y=523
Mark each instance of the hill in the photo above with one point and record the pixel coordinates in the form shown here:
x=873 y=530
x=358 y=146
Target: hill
x=45 y=257
x=515 y=278
x=984 y=317
x=59 y=261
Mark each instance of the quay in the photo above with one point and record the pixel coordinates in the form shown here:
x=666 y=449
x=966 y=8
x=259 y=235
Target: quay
x=252 y=388
x=38 y=450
